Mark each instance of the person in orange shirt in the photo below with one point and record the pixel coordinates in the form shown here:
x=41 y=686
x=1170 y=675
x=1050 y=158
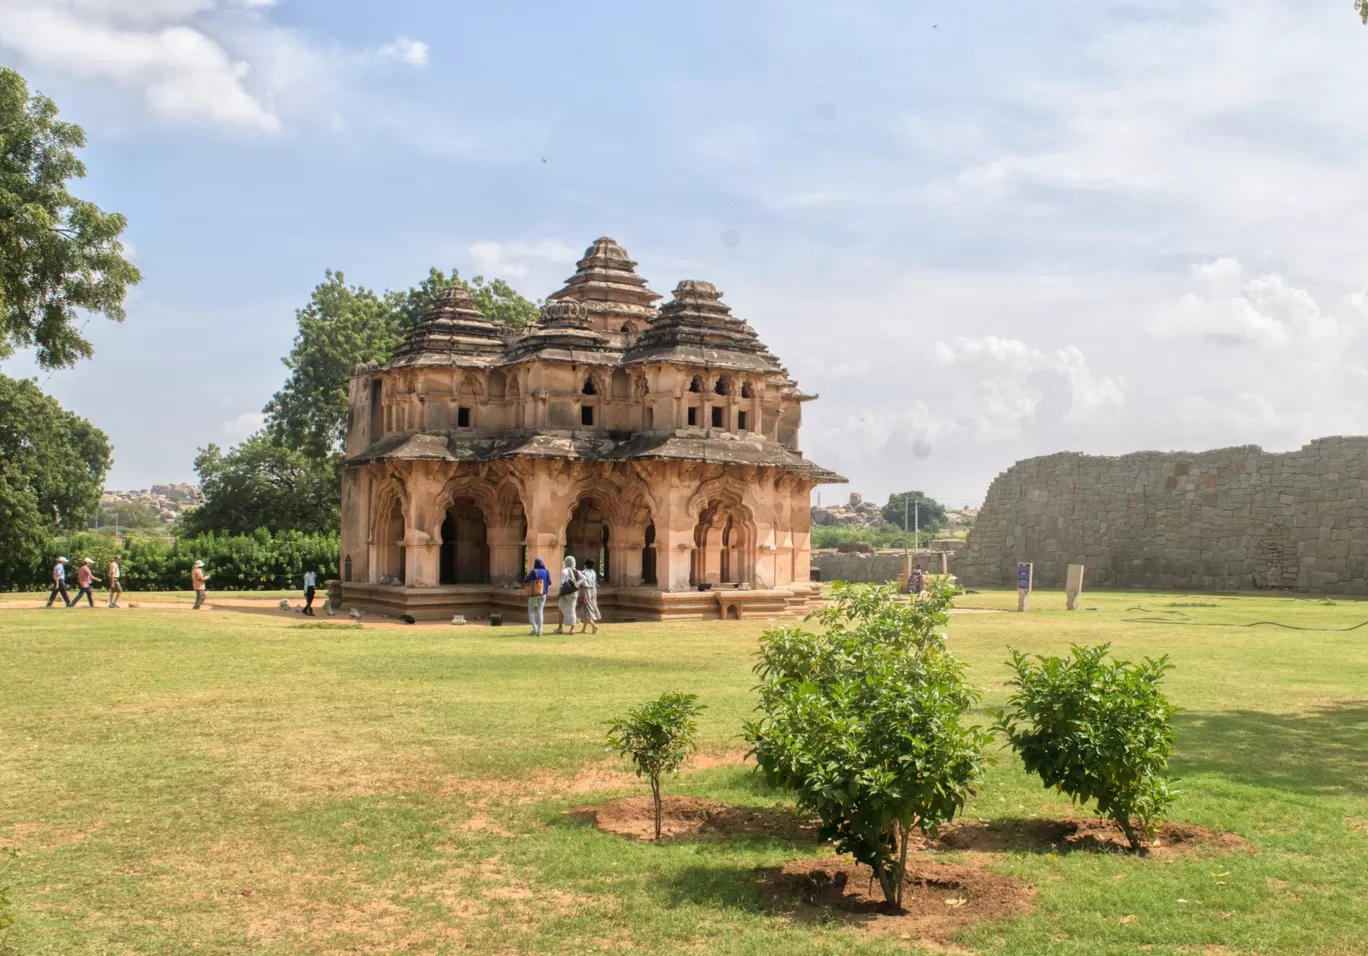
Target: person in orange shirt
x=197 y=579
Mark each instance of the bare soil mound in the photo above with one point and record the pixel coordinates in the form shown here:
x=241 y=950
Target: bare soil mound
x=693 y=817
x=1068 y=835
x=940 y=899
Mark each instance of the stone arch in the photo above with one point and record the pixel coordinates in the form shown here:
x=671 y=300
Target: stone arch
x=607 y=521
x=389 y=531
x=620 y=387
x=464 y=554
x=696 y=384
x=726 y=534
x=498 y=384
x=723 y=385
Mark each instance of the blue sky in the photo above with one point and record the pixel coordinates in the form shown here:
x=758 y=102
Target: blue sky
x=980 y=232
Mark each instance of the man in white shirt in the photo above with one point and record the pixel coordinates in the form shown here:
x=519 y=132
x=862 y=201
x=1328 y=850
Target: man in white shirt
x=310 y=585
x=59 y=583
x=115 y=588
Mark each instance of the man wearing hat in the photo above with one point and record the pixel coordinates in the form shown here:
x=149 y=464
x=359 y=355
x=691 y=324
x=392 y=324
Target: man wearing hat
x=84 y=579
x=115 y=587
x=59 y=583
x=197 y=579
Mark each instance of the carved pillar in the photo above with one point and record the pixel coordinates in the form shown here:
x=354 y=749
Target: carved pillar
x=505 y=551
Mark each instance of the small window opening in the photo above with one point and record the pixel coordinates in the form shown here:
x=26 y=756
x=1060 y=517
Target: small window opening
x=693 y=414
x=589 y=387
x=695 y=385
x=716 y=417
x=721 y=387
x=740 y=421
x=586 y=414
x=650 y=418
x=626 y=327
x=745 y=391
x=462 y=417
x=346 y=569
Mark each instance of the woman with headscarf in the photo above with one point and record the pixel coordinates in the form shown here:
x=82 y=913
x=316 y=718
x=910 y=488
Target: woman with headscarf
x=588 y=595
x=569 y=594
x=537 y=582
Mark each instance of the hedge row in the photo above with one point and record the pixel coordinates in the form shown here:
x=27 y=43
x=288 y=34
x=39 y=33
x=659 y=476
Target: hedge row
x=252 y=562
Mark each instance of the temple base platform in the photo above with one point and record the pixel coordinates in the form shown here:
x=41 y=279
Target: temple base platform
x=617 y=605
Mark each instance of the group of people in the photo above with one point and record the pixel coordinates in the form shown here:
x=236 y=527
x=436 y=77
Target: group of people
x=577 y=597
x=86 y=580
x=85 y=583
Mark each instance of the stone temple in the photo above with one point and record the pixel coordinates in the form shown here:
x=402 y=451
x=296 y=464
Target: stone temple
x=662 y=442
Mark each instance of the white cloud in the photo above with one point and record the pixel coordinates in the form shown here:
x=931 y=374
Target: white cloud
x=414 y=52
x=244 y=425
x=512 y=259
x=182 y=74
x=1265 y=310
x=1011 y=384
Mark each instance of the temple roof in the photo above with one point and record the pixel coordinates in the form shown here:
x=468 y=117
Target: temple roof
x=454 y=332
x=527 y=443
x=605 y=280
x=696 y=327
x=563 y=334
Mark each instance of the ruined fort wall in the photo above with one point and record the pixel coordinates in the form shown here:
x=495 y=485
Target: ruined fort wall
x=1233 y=518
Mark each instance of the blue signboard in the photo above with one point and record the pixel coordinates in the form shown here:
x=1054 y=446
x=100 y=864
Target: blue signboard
x=1024 y=577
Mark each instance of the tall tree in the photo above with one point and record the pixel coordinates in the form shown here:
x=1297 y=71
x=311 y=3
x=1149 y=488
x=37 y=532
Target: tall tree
x=344 y=326
x=263 y=484
x=930 y=512
x=58 y=254
x=52 y=468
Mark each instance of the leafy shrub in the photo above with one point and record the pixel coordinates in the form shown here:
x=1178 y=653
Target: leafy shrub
x=1096 y=730
x=864 y=721
x=259 y=561
x=6 y=904
x=657 y=737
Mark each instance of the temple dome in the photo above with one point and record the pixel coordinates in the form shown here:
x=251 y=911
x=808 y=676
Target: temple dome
x=697 y=327
x=605 y=281
x=453 y=332
x=564 y=326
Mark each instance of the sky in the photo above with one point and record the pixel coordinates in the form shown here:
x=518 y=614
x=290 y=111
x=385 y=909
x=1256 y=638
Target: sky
x=979 y=232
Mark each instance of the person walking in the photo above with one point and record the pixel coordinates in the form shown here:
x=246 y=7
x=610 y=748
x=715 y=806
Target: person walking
x=197 y=579
x=588 y=597
x=916 y=583
x=84 y=579
x=569 y=595
x=310 y=586
x=536 y=584
x=115 y=587
x=59 y=583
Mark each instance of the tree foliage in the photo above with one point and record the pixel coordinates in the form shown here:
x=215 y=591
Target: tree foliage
x=344 y=326
x=259 y=561
x=52 y=468
x=1362 y=7
x=657 y=737
x=1096 y=730
x=865 y=722
x=930 y=514
x=58 y=254
x=263 y=484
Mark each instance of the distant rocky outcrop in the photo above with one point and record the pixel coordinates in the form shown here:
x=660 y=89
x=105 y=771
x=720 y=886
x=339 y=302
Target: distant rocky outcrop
x=858 y=513
x=168 y=501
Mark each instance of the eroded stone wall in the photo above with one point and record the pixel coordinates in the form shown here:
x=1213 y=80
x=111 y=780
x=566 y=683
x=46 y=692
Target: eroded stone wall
x=1233 y=518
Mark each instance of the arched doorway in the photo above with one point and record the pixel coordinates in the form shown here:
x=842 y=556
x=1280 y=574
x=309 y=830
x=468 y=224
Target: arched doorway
x=648 y=556
x=465 y=547
x=724 y=545
x=586 y=536
x=390 y=554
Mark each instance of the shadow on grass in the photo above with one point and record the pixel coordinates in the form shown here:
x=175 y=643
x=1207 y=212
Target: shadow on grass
x=1324 y=751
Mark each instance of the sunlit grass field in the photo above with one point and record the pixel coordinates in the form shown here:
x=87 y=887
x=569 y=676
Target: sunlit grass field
x=224 y=782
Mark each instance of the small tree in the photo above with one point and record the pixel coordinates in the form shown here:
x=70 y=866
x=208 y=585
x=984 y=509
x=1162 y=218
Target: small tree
x=864 y=722
x=657 y=737
x=1096 y=730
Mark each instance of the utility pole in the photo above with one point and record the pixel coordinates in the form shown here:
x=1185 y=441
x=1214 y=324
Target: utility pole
x=904 y=526
x=916 y=525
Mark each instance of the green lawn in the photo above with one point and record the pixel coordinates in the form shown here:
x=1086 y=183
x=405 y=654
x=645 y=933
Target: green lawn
x=240 y=783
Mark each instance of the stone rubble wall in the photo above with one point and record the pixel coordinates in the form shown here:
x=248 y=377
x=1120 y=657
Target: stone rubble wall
x=1229 y=519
